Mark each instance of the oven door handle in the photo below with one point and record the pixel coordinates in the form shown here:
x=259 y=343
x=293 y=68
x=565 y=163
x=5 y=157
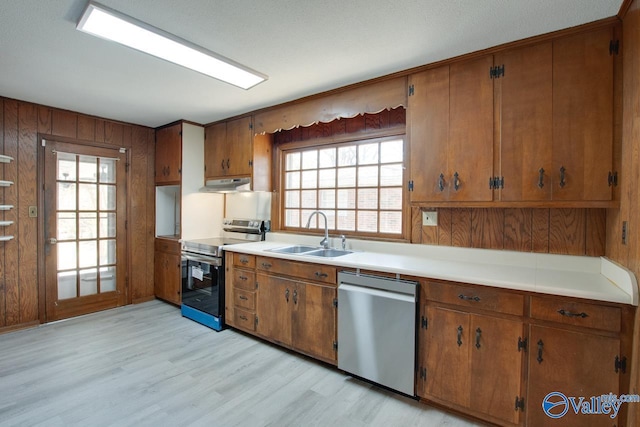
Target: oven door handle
x=214 y=262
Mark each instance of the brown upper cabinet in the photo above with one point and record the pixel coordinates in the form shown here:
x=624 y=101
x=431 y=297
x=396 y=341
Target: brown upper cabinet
x=232 y=150
x=540 y=116
x=169 y=155
x=555 y=119
x=451 y=132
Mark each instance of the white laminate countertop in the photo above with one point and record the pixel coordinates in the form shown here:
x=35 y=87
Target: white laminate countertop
x=595 y=278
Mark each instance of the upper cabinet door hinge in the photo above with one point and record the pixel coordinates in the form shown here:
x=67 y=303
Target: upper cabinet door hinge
x=620 y=364
x=411 y=90
x=520 y=403
x=614 y=47
x=335 y=302
x=496 y=72
x=613 y=179
x=250 y=125
x=424 y=323
x=250 y=163
x=335 y=345
x=411 y=185
x=422 y=373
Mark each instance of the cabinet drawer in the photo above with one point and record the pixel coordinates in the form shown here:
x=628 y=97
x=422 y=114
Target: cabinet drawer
x=244 y=299
x=243 y=260
x=244 y=319
x=301 y=270
x=476 y=297
x=244 y=279
x=166 y=245
x=576 y=313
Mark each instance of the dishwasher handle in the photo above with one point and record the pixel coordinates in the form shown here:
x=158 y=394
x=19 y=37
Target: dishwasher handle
x=343 y=287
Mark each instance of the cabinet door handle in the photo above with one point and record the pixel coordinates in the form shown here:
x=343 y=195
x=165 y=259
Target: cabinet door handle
x=441 y=182
x=570 y=314
x=541 y=178
x=456 y=181
x=227 y=163
x=243 y=278
x=243 y=318
x=295 y=296
x=244 y=260
x=562 y=179
x=468 y=298
x=222 y=164
x=540 y=347
x=266 y=265
x=286 y=294
x=243 y=298
x=459 y=336
x=478 y=333
x=321 y=275
x=168 y=170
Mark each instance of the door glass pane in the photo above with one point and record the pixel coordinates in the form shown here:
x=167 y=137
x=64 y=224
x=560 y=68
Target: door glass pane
x=88 y=282
x=107 y=224
x=88 y=197
x=66 y=255
x=107 y=279
x=107 y=197
x=88 y=225
x=67 y=285
x=66 y=227
x=66 y=196
x=66 y=166
x=107 y=171
x=107 y=252
x=87 y=168
x=88 y=254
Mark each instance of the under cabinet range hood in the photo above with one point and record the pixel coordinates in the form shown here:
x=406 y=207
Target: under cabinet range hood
x=230 y=185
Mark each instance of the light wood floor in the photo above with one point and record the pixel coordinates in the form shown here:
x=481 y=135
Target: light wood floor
x=147 y=365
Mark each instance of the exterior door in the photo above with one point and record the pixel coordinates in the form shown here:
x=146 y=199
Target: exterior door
x=85 y=239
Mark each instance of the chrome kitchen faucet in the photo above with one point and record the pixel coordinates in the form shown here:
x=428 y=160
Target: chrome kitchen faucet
x=324 y=242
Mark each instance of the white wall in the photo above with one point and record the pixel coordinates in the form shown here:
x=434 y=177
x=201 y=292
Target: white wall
x=202 y=213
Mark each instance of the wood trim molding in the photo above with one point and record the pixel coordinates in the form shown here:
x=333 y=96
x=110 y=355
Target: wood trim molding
x=624 y=8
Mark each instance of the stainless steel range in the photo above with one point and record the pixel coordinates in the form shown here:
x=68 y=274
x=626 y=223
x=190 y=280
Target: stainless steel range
x=203 y=270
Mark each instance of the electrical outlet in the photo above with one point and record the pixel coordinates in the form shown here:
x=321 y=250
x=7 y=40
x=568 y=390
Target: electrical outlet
x=33 y=211
x=430 y=218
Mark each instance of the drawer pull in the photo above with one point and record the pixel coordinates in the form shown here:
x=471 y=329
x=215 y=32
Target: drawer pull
x=478 y=333
x=540 y=347
x=243 y=277
x=295 y=296
x=242 y=297
x=570 y=314
x=321 y=275
x=266 y=265
x=244 y=318
x=466 y=298
x=459 y=336
x=244 y=260
x=286 y=294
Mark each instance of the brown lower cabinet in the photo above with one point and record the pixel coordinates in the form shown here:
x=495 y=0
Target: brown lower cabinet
x=294 y=303
x=167 y=270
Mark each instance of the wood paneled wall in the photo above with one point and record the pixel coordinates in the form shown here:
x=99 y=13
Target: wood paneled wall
x=556 y=231
x=629 y=179
x=21 y=301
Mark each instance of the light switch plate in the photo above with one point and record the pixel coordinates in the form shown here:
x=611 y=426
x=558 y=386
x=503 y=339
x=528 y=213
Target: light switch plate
x=430 y=218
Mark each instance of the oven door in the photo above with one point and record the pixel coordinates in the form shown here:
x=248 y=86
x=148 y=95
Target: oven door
x=203 y=283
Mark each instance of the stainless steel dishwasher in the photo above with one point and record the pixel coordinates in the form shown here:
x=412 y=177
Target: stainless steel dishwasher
x=376 y=329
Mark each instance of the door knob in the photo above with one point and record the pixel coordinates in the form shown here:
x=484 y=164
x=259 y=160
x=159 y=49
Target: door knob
x=53 y=241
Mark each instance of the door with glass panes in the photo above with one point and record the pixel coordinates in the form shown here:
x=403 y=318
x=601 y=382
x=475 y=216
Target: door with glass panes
x=85 y=239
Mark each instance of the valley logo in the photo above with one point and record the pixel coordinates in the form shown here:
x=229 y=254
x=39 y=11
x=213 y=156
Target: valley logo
x=557 y=405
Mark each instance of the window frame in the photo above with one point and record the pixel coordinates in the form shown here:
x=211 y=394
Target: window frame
x=280 y=152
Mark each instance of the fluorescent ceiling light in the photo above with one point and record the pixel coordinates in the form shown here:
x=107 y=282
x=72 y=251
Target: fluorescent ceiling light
x=109 y=24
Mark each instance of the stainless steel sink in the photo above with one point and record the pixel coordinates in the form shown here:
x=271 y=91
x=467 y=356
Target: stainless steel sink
x=328 y=253
x=295 y=249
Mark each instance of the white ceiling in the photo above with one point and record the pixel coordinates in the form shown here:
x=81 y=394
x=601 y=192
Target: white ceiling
x=305 y=47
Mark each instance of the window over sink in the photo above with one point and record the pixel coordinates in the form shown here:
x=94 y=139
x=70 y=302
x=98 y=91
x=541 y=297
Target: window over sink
x=357 y=184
